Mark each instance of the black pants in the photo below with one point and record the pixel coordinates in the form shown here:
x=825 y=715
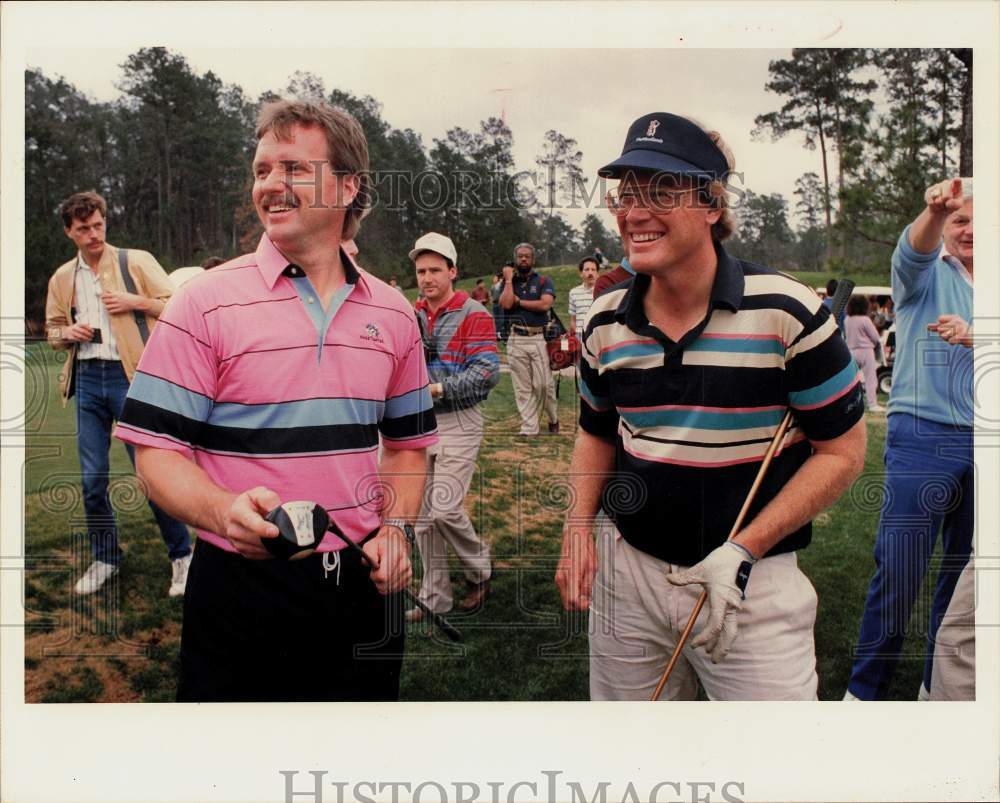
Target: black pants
x=273 y=630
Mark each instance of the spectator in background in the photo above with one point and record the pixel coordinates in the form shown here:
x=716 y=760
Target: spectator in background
x=461 y=353
x=499 y=313
x=614 y=276
x=104 y=324
x=599 y=258
x=394 y=283
x=953 y=676
x=928 y=442
x=479 y=293
x=831 y=289
x=213 y=262
x=582 y=296
x=863 y=341
x=528 y=296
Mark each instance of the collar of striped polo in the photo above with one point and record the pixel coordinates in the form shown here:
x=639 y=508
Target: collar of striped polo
x=272 y=263
x=727 y=290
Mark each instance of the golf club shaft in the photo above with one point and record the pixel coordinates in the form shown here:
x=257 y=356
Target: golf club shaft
x=844 y=288
x=447 y=627
x=779 y=435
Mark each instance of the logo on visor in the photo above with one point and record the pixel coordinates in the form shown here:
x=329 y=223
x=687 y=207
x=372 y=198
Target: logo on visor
x=653 y=125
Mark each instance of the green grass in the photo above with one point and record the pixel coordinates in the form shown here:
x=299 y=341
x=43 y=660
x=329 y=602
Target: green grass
x=521 y=646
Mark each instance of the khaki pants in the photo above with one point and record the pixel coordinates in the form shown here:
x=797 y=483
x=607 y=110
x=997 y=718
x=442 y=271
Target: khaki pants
x=636 y=618
x=443 y=520
x=532 y=378
x=953 y=676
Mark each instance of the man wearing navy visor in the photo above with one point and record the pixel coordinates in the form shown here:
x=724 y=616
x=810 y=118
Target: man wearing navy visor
x=687 y=370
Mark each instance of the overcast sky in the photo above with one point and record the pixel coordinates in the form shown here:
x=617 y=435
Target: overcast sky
x=590 y=95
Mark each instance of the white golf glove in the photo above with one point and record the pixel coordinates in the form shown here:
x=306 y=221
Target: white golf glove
x=723 y=573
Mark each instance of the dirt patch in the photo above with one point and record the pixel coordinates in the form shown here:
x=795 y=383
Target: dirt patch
x=55 y=658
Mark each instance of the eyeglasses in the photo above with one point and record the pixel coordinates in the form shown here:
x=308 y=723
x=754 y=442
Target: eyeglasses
x=621 y=201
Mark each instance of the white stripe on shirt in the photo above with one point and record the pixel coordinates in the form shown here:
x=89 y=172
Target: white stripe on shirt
x=580 y=299
x=91 y=310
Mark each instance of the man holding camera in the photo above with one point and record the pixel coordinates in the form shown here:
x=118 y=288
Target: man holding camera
x=527 y=298
x=91 y=311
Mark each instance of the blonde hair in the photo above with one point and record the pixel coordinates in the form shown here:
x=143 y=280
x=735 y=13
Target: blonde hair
x=347 y=147
x=718 y=190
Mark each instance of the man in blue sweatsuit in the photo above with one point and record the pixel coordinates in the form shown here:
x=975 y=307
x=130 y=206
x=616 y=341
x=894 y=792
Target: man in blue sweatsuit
x=928 y=447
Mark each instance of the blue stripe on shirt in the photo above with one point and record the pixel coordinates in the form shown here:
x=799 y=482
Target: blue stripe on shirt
x=416 y=401
x=168 y=396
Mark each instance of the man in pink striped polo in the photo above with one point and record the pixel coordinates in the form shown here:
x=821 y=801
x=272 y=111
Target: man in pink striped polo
x=270 y=380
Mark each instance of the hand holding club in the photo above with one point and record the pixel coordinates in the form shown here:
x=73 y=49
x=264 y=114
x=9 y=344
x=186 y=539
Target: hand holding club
x=718 y=573
x=245 y=524
x=388 y=553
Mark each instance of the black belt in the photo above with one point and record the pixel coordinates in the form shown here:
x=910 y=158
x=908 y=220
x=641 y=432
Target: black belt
x=527 y=330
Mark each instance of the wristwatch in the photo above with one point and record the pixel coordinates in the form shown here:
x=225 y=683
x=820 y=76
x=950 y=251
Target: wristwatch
x=404 y=526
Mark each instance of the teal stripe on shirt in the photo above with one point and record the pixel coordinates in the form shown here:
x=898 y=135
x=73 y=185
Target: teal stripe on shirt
x=703 y=419
x=827 y=390
x=631 y=350
x=737 y=345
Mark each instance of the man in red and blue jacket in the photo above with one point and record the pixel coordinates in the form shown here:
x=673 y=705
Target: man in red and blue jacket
x=462 y=361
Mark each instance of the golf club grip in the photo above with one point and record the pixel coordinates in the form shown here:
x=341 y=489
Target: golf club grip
x=840 y=298
x=449 y=629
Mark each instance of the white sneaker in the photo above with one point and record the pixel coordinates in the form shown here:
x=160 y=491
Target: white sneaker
x=178 y=582
x=97 y=574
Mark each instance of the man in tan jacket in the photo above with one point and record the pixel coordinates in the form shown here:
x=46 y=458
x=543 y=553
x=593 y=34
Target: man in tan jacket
x=100 y=306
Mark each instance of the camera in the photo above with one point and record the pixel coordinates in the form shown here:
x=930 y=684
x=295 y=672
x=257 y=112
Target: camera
x=97 y=337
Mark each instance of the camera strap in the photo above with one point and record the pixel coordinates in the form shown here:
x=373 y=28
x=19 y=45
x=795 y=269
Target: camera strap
x=140 y=318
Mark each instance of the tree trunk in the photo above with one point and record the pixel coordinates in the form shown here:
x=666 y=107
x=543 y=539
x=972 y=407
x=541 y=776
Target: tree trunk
x=159 y=214
x=965 y=138
x=826 y=178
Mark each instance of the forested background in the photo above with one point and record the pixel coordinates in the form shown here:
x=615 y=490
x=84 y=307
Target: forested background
x=172 y=157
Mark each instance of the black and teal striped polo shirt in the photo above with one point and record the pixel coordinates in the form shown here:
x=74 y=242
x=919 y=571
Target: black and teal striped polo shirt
x=692 y=419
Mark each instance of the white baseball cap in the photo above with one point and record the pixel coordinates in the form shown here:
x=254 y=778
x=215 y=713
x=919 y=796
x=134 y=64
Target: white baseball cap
x=438 y=243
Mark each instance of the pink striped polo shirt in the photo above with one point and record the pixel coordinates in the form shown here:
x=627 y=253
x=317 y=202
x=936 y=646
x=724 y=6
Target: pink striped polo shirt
x=247 y=375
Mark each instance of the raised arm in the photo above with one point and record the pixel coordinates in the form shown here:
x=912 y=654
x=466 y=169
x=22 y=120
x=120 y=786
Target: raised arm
x=942 y=199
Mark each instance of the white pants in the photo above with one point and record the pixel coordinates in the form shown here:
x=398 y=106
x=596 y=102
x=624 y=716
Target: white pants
x=451 y=464
x=532 y=378
x=953 y=676
x=636 y=618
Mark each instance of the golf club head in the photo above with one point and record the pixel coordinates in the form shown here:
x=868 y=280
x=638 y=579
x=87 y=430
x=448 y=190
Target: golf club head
x=301 y=527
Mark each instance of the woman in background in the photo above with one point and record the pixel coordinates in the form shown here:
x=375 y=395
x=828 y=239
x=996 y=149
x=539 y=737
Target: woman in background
x=863 y=339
